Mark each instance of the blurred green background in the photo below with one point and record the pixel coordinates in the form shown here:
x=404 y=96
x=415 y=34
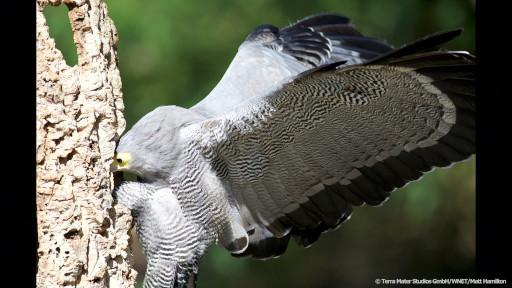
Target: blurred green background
x=174 y=52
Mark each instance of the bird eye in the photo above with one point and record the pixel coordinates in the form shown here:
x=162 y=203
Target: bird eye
x=119 y=161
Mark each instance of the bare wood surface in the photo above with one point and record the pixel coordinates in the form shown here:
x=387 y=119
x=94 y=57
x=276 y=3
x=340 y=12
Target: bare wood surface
x=83 y=240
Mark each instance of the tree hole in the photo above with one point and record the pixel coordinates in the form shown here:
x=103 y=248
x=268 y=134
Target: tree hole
x=60 y=30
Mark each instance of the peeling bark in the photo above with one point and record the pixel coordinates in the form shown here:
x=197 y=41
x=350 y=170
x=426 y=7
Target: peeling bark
x=83 y=239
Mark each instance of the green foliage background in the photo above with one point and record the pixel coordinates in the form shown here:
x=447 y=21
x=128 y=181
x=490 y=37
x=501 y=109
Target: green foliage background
x=174 y=52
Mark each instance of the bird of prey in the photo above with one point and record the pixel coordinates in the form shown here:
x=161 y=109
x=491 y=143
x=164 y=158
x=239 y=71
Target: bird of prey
x=307 y=121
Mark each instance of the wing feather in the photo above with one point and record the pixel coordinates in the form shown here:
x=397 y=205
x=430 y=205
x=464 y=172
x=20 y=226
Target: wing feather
x=270 y=57
x=298 y=159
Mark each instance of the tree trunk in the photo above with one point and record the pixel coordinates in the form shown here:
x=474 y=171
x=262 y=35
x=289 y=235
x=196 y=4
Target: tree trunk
x=83 y=239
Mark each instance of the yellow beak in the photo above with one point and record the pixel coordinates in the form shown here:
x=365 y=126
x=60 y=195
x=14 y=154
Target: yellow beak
x=121 y=162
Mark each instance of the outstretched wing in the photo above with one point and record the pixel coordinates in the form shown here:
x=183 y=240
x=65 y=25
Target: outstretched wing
x=297 y=160
x=269 y=56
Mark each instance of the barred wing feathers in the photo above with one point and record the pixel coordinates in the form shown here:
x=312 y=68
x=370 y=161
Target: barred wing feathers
x=297 y=160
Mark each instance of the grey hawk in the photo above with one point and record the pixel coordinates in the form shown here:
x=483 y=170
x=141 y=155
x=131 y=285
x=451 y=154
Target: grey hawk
x=308 y=121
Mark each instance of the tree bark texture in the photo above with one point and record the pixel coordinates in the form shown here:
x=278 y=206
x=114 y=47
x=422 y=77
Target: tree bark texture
x=83 y=239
